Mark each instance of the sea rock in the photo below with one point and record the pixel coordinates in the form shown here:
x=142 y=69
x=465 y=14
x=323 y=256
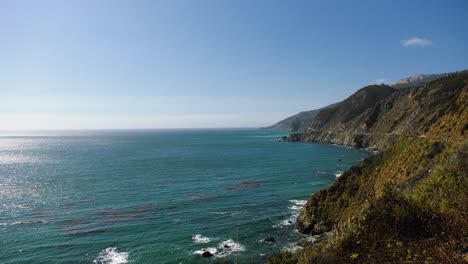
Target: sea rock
x=270 y=239
x=207 y=254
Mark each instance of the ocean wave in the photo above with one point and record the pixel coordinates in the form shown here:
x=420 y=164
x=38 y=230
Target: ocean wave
x=292 y=247
x=231 y=245
x=297 y=205
x=200 y=239
x=218 y=213
x=212 y=250
x=224 y=249
x=111 y=255
x=287 y=222
x=338 y=174
x=27 y=222
x=298 y=202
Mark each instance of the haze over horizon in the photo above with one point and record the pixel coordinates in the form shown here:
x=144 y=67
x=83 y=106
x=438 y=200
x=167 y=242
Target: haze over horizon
x=195 y=64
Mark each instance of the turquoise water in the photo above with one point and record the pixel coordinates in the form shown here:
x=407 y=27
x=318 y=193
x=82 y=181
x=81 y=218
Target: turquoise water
x=141 y=196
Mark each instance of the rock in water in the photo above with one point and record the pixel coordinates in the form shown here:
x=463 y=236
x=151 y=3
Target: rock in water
x=270 y=239
x=206 y=254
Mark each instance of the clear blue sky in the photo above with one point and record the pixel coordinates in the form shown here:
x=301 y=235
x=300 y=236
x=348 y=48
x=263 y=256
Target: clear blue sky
x=243 y=63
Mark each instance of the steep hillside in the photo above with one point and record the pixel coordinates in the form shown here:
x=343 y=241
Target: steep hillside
x=363 y=99
x=408 y=203
x=298 y=122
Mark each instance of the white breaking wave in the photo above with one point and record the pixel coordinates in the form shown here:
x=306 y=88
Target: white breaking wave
x=231 y=245
x=289 y=221
x=111 y=255
x=297 y=205
x=200 y=239
x=338 y=174
x=298 y=202
x=292 y=247
x=212 y=250
x=224 y=249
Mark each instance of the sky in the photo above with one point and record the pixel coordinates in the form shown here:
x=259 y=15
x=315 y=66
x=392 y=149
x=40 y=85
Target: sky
x=210 y=63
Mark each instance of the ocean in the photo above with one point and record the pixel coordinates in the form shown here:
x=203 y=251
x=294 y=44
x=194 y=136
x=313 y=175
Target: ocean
x=157 y=196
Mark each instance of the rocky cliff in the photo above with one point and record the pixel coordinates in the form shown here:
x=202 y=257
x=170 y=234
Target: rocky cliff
x=408 y=203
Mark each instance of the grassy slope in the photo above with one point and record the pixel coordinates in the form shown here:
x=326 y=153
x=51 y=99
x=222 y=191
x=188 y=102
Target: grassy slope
x=407 y=203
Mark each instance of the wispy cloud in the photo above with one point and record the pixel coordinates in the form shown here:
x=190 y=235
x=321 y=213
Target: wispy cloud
x=417 y=41
x=380 y=81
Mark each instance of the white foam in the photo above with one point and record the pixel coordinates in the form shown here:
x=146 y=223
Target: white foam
x=111 y=255
x=293 y=247
x=212 y=250
x=298 y=202
x=297 y=205
x=231 y=245
x=338 y=174
x=200 y=239
x=287 y=222
x=312 y=239
x=219 y=213
x=224 y=249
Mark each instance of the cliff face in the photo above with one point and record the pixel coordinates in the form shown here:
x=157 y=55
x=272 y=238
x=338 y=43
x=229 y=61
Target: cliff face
x=408 y=203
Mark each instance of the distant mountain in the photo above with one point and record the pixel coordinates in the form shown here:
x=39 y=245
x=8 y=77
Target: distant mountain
x=298 y=122
x=417 y=80
x=337 y=112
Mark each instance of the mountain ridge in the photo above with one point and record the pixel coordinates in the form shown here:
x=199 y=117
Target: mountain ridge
x=302 y=121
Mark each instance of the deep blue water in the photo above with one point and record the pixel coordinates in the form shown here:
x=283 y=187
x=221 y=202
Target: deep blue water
x=140 y=196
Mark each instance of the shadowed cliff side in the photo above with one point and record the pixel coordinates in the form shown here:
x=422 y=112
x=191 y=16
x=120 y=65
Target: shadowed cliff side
x=298 y=122
x=408 y=203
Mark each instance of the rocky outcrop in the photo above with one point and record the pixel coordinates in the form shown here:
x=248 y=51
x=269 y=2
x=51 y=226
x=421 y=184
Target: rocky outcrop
x=293 y=137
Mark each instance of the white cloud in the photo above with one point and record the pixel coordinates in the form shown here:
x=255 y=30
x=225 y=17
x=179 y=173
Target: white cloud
x=417 y=41
x=381 y=80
